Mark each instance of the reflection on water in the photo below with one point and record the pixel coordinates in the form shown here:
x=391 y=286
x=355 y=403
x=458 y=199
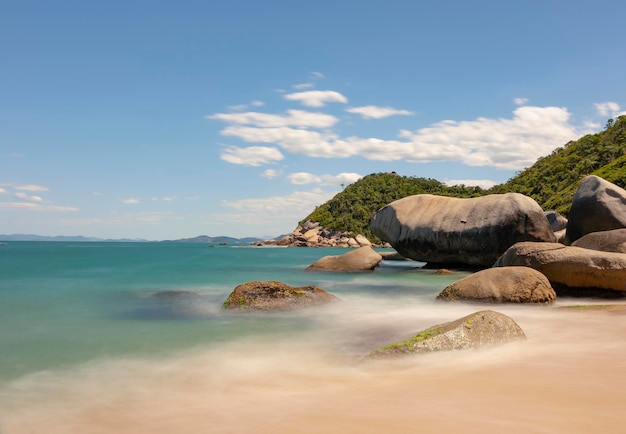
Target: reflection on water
x=568 y=376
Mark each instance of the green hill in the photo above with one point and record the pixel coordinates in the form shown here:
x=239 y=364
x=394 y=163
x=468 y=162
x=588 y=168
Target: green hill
x=551 y=181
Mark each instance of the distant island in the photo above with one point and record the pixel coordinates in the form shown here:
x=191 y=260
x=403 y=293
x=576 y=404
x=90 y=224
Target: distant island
x=79 y=238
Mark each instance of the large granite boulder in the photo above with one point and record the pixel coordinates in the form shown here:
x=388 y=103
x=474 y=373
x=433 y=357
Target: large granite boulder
x=361 y=259
x=473 y=331
x=571 y=270
x=501 y=285
x=597 y=206
x=272 y=295
x=474 y=231
x=606 y=241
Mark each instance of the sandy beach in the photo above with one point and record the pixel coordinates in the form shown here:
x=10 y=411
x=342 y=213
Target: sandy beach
x=567 y=377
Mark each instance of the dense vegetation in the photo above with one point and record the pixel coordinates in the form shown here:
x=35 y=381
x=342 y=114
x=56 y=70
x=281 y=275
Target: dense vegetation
x=552 y=181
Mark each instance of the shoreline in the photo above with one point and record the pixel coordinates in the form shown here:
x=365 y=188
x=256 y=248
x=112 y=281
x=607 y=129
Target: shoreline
x=566 y=377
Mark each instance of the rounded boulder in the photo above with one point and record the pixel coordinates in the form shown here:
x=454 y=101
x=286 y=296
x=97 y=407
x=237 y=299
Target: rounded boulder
x=501 y=285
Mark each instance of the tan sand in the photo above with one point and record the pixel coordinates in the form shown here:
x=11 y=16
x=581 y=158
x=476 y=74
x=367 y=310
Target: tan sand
x=568 y=377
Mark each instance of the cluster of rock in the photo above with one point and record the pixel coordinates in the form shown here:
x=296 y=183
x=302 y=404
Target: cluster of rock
x=512 y=230
x=312 y=234
x=508 y=236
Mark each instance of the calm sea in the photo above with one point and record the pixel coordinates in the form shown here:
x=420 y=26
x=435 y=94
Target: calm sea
x=91 y=343
x=70 y=303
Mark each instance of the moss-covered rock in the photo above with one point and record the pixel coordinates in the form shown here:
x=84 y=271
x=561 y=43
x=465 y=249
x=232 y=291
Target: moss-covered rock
x=473 y=331
x=272 y=296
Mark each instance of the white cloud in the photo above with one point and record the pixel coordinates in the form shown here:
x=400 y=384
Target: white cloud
x=24 y=196
x=609 y=108
x=317 y=75
x=301 y=178
x=482 y=183
x=164 y=198
x=30 y=206
x=298 y=203
x=520 y=101
x=130 y=201
x=257 y=103
x=3 y=191
x=30 y=187
x=316 y=98
x=375 y=112
x=270 y=173
x=251 y=156
x=295 y=118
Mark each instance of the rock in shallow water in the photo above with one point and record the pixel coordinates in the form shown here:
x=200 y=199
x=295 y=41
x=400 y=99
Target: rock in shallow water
x=361 y=259
x=272 y=296
x=473 y=331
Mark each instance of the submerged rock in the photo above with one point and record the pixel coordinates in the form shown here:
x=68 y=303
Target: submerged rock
x=272 y=295
x=448 y=230
x=501 y=285
x=472 y=331
x=361 y=259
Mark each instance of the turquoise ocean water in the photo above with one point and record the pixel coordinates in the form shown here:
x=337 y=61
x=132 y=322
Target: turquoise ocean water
x=64 y=304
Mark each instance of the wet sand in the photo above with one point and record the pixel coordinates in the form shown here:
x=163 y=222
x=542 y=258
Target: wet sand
x=569 y=376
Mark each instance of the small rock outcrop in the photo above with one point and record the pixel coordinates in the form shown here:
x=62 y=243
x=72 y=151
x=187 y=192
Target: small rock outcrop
x=501 y=285
x=571 y=270
x=312 y=234
x=598 y=205
x=557 y=221
x=361 y=259
x=447 y=230
x=605 y=241
x=274 y=296
x=473 y=331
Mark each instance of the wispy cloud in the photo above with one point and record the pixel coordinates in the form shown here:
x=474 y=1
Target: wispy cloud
x=251 y=156
x=316 y=98
x=270 y=173
x=376 y=112
x=24 y=196
x=30 y=206
x=274 y=211
x=520 y=101
x=130 y=201
x=25 y=187
x=609 y=108
x=301 y=178
x=294 y=118
x=303 y=86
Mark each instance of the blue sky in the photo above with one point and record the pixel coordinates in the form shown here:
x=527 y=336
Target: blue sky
x=161 y=120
